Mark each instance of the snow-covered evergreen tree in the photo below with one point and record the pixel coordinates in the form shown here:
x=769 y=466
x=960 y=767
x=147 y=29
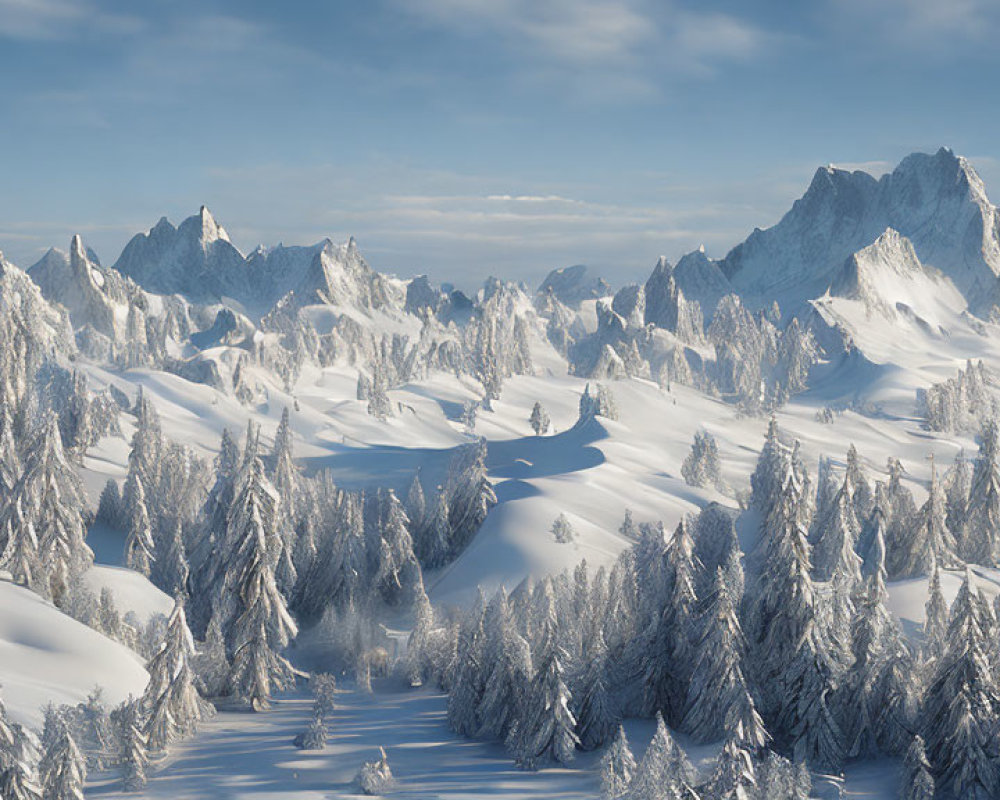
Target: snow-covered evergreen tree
x=593 y=709
x=927 y=541
x=416 y=504
x=506 y=661
x=261 y=625
x=960 y=705
x=718 y=697
x=63 y=769
x=133 y=759
x=171 y=699
x=981 y=535
x=139 y=546
x=46 y=507
x=701 y=467
x=617 y=767
x=917 y=782
x=663 y=770
x=562 y=530
x=539 y=420
x=545 y=730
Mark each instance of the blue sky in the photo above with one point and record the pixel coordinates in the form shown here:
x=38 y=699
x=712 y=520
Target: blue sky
x=467 y=137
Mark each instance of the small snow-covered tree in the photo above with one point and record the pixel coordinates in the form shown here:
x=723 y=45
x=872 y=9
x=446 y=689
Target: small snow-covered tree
x=133 y=757
x=539 y=420
x=375 y=777
x=416 y=503
x=663 y=770
x=314 y=736
x=139 y=546
x=617 y=767
x=562 y=530
x=63 y=769
x=701 y=467
x=981 y=536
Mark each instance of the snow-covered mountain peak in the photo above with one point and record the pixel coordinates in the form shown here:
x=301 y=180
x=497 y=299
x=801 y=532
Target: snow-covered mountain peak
x=204 y=227
x=935 y=200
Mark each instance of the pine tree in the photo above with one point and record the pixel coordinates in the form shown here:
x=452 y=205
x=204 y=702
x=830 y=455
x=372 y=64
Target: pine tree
x=663 y=770
x=133 y=758
x=314 y=737
x=467 y=675
x=416 y=504
x=872 y=635
x=261 y=626
x=718 y=694
x=935 y=615
x=545 y=732
x=539 y=419
x=928 y=541
x=701 y=467
x=791 y=661
x=172 y=567
x=961 y=704
x=506 y=660
x=139 y=547
x=63 y=769
x=617 y=767
x=562 y=530
x=981 y=539
x=48 y=503
x=860 y=490
x=174 y=705
x=917 y=782
x=595 y=716
x=436 y=547
x=735 y=776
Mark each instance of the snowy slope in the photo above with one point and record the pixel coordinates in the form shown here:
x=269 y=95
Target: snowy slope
x=46 y=657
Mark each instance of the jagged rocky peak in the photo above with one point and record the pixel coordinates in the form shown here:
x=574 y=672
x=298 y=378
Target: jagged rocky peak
x=666 y=306
x=936 y=200
x=888 y=278
x=701 y=280
x=573 y=285
x=195 y=259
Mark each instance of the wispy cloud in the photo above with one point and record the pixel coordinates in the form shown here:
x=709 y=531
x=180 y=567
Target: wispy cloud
x=623 y=48
x=41 y=20
x=931 y=26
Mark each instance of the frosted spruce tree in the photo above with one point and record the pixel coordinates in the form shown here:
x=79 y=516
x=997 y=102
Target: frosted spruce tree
x=466 y=681
x=416 y=504
x=928 y=540
x=172 y=700
x=594 y=710
x=139 y=547
x=960 y=705
x=663 y=770
x=63 y=769
x=981 y=536
x=617 y=767
x=718 y=698
x=791 y=662
x=917 y=783
x=506 y=662
x=935 y=617
x=133 y=759
x=873 y=635
x=539 y=420
x=701 y=467
x=260 y=626
x=545 y=730
x=47 y=503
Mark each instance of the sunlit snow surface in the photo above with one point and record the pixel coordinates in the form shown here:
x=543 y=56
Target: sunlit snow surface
x=592 y=473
